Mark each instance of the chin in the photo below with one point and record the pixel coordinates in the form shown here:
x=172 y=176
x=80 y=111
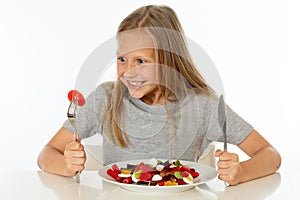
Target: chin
x=136 y=95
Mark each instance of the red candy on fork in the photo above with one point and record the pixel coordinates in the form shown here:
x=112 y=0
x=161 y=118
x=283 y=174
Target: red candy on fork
x=74 y=94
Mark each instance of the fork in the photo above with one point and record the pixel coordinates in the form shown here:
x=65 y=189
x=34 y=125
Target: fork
x=72 y=119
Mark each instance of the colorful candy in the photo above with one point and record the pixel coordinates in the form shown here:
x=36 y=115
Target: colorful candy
x=155 y=174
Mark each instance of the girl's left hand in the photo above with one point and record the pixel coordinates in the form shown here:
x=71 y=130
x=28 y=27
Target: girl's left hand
x=229 y=167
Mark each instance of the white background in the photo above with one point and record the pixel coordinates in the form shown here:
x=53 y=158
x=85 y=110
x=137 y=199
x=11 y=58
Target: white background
x=43 y=44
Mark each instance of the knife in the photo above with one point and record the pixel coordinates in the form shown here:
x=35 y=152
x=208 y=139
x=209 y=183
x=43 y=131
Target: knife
x=222 y=123
x=222 y=119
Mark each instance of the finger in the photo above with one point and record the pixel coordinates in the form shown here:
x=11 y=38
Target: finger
x=80 y=147
x=224 y=177
x=76 y=168
x=76 y=146
x=70 y=159
x=223 y=164
x=71 y=162
x=218 y=152
x=75 y=153
x=72 y=146
x=78 y=154
x=226 y=156
x=230 y=181
x=78 y=161
x=69 y=154
x=224 y=171
x=80 y=168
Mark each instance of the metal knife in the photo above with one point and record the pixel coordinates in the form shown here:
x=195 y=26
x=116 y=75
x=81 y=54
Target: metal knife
x=222 y=119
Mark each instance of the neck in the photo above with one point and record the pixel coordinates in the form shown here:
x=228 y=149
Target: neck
x=154 y=99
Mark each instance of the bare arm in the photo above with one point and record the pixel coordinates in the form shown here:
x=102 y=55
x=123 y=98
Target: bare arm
x=62 y=155
x=264 y=160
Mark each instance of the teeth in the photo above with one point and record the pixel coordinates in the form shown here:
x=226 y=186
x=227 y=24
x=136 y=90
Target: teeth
x=135 y=83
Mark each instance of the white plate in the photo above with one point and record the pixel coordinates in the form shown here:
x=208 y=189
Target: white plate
x=207 y=173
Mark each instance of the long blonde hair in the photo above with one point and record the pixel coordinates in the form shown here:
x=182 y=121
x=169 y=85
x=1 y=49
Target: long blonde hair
x=162 y=23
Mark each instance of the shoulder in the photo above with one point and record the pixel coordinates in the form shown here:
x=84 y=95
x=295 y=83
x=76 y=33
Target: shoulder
x=101 y=94
x=202 y=98
x=105 y=89
x=108 y=86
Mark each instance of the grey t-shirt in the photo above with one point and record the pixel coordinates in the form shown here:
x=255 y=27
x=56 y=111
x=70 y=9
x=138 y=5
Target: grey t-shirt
x=194 y=122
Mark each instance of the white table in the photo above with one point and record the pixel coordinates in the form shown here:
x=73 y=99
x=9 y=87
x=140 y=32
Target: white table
x=40 y=185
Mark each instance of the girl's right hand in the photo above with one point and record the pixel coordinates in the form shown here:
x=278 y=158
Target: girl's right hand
x=75 y=157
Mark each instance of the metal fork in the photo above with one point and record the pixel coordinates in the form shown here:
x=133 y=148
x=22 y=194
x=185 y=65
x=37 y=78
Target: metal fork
x=72 y=119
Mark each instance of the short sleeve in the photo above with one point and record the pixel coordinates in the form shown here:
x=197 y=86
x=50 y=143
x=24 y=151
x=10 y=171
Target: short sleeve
x=237 y=128
x=88 y=116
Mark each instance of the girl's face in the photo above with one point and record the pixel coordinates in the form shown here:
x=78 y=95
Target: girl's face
x=137 y=69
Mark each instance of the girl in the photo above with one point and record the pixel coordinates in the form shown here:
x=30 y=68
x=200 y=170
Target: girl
x=159 y=107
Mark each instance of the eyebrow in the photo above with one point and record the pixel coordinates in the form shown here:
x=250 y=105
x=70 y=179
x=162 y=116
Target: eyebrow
x=135 y=56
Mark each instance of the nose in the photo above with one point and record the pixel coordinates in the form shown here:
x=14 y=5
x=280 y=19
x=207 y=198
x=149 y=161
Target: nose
x=130 y=65
x=130 y=70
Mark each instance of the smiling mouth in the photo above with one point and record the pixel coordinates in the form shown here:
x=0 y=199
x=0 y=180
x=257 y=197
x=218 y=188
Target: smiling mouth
x=135 y=83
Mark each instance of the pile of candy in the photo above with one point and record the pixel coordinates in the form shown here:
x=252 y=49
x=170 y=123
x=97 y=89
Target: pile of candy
x=156 y=173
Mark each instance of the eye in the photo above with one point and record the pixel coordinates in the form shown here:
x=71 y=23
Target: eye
x=141 y=61
x=122 y=59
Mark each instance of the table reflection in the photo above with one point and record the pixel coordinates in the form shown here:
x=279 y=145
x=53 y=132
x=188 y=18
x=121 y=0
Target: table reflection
x=66 y=188
x=92 y=187
x=257 y=189
x=192 y=194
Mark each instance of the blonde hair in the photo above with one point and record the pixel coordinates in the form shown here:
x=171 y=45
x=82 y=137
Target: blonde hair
x=171 y=50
